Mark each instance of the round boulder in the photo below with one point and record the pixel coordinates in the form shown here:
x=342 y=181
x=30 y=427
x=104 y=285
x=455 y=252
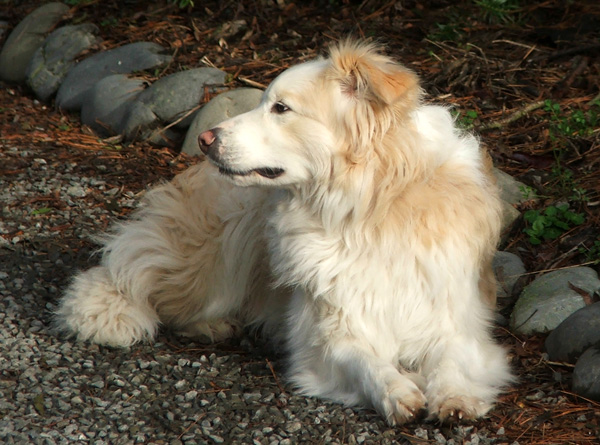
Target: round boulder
x=125 y=59
x=551 y=298
x=586 y=375
x=574 y=335
x=169 y=99
x=222 y=107
x=107 y=102
x=26 y=38
x=508 y=268
x=51 y=62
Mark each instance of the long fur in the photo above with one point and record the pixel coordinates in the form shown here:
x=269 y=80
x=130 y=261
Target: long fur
x=368 y=253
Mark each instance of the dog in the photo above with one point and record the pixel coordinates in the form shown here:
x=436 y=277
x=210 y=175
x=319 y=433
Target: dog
x=351 y=222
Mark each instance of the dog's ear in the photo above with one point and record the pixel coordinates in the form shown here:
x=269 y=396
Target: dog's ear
x=365 y=74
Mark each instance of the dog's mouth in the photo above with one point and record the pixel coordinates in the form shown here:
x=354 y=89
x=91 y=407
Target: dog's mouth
x=265 y=172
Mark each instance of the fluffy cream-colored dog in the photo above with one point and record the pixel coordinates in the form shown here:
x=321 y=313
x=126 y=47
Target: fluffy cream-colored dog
x=344 y=217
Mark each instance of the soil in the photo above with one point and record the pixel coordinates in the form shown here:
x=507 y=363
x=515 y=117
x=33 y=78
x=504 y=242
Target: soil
x=523 y=75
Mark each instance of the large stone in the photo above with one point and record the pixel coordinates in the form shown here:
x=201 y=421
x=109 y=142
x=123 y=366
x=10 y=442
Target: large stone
x=508 y=268
x=26 y=38
x=106 y=104
x=550 y=299
x=122 y=60
x=224 y=106
x=4 y=27
x=511 y=190
x=169 y=99
x=51 y=62
x=511 y=194
x=586 y=375
x=574 y=335
x=509 y=216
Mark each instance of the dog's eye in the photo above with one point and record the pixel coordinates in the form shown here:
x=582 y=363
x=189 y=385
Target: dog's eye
x=280 y=108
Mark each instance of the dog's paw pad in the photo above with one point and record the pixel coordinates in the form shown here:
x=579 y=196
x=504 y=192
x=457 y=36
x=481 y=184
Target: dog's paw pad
x=461 y=409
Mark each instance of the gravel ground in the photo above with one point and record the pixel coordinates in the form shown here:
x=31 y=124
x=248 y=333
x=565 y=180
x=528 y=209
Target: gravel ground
x=173 y=391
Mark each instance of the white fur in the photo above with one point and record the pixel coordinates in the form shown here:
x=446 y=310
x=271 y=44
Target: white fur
x=368 y=255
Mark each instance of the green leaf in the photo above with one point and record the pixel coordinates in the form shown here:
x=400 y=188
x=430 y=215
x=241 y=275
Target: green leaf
x=552 y=233
x=535 y=241
x=562 y=225
x=578 y=219
x=41 y=211
x=539 y=224
x=531 y=215
x=38 y=404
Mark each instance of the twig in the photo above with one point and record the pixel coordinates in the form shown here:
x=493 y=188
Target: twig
x=275 y=376
x=252 y=83
x=597 y=98
x=558 y=268
x=566 y=52
x=568 y=365
x=513 y=117
x=195 y=422
x=593 y=402
x=183 y=116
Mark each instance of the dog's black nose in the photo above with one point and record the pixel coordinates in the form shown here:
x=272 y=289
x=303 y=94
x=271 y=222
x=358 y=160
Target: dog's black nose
x=207 y=139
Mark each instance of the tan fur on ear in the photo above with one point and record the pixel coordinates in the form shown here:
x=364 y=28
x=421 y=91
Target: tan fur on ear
x=364 y=73
x=391 y=86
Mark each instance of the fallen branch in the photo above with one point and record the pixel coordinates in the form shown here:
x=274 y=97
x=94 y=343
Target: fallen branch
x=513 y=117
x=252 y=83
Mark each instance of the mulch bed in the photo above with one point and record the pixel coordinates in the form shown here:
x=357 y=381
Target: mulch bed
x=524 y=75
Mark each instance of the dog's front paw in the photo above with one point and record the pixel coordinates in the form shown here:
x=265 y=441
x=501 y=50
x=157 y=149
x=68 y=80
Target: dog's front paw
x=214 y=330
x=460 y=408
x=403 y=403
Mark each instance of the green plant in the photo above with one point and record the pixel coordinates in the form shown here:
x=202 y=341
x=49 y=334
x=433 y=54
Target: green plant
x=77 y=2
x=183 y=4
x=444 y=32
x=465 y=120
x=550 y=223
x=109 y=22
x=565 y=183
x=499 y=11
x=571 y=122
x=528 y=192
x=592 y=254
x=41 y=211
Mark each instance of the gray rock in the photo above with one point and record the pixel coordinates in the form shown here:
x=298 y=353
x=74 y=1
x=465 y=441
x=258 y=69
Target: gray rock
x=549 y=300
x=51 y=62
x=586 y=375
x=510 y=188
x=510 y=192
x=26 y=38
x=4 y=26
x=224 y=106
x=574 y=335
x=169 y=99
x=105 y=105
x=508 y=268
x=123 y=60
x=509 y=216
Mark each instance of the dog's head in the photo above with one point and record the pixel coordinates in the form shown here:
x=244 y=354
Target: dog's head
x=315 y=118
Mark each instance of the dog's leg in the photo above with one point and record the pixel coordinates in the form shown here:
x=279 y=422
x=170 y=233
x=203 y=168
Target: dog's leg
x=186 y=259
x=464 y=380
x=328 y=361
x=94 y=309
